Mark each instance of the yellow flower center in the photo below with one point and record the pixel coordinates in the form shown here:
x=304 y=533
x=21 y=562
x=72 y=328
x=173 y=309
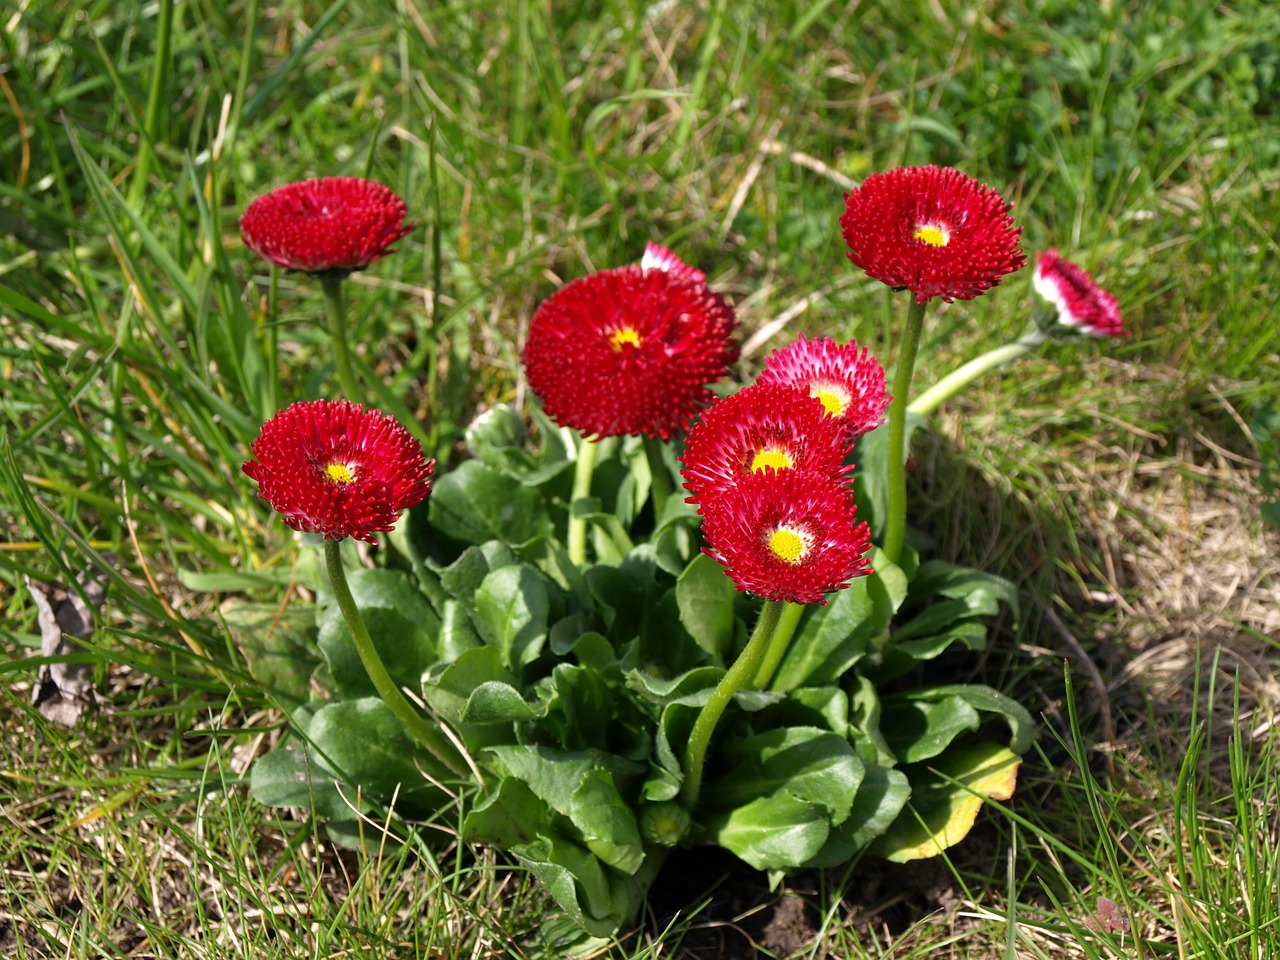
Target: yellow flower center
x=934 y=234
x=624 y=336
x=778 y=459
x=834 y=399
x=340 y=474
x=788 y=545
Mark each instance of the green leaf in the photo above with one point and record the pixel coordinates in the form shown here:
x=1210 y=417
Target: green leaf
x=591 y=649
x=457 y=633
x=831 y=639
x=493 y=432
x=511 y=611
x=816 y=766
x=636 y=483
x=580 y=785
x=666 y=775
x=901 y=655
x=783 y=791
x=880 y=798
x=597 y=899
x=366 y=745
x=448 y=691
x=825 y=707
x=692 y=686
x=401 y=623
x=940 y=618
x=665 y=645
x=279 y=644
x=474 y=503
x=772 y=833
x=946 y=798
x=917 y=730
x=496 y=702
x=511 y=814
x=289 y=776
x=961 y=599
x=557 y=441
x=987 y=700
x=677 y=536
x=462 y=578
x=587 y=710
x=705 y=598
x=864 y=702
x=552 y=559
x=981 y=590
x=512 y=817
x=608 y=824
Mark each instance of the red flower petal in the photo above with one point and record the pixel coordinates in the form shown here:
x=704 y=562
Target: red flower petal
x=333 y=468
x=629 y=351
x=766 y=426
x=848 y=380
x=790 y=535
x=933 y=230
x=1081 y=303
x=330 y=225
x=660 y=258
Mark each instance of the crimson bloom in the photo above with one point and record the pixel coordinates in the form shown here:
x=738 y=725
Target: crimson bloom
x=848 y=380
x=766 y=426
x=334 y=468
x=933 y=230
x=332 y=225
x=630 y=350
x=1080 y=302
x=787 y=535
x=657 y=257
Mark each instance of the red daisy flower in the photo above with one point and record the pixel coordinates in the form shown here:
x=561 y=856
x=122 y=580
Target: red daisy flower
x=1080 y=302
x=328 y=226
x=660 y=258
x=766 y=426
x=933 y=230
x=629 y=350
x=331 y=467
x=849 y=382
x=787 y=535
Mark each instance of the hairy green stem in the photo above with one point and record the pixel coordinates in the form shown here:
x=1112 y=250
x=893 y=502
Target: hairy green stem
x=737 y=678
x=896 y=469
x=963 y=375
x=337 y=311
x=787 y=623
x=436 y=743
x=577 y=536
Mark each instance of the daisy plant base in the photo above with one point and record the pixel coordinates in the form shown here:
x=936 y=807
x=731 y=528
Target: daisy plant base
x=654 y=616
x=574 y=689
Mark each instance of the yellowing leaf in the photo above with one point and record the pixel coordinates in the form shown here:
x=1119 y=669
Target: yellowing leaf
x=946 y=798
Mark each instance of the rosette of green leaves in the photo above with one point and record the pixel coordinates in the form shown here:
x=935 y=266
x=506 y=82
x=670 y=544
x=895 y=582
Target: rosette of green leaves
x=574 y=690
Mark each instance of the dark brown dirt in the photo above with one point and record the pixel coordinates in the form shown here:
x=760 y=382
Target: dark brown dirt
x=737 y=917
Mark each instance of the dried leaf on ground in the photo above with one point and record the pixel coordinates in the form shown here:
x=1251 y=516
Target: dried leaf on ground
x=63 y=690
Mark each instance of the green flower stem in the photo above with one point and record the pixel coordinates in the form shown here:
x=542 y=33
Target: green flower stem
x=896 y=481
x=962 y=376
x=738 y=677
x=662 y=488
x=577 y=536
x=787 y=623
x=332 y=287
x=422 y=731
